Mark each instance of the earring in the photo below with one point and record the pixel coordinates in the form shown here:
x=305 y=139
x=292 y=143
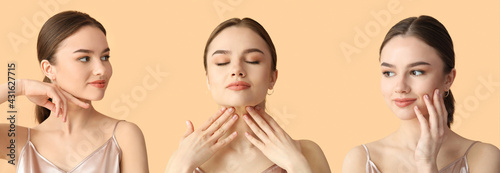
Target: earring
x=272 y=91
x=447 y=93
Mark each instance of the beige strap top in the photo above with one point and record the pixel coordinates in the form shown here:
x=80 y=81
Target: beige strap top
x=458 y=166
x=273 y=169
x=105 y=159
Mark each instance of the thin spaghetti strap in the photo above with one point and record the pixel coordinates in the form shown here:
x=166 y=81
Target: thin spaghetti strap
x=116 y=126
x=367 y=153
x=470 y=147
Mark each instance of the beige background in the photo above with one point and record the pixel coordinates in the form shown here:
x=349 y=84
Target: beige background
x=321 y=94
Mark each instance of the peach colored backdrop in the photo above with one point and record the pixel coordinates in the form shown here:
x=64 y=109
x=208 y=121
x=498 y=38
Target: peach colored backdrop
x=323 y=94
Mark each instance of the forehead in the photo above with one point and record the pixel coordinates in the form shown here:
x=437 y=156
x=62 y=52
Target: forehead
x=87 y=37
x=402 y=50
x=238 y=38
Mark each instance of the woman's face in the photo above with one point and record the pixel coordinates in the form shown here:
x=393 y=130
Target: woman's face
x=410 y=70
x=239 y=67
x=82 y=66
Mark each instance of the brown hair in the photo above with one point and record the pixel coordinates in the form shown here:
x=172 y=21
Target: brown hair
x=434 y=34
x=248 y=23
x=53 y=32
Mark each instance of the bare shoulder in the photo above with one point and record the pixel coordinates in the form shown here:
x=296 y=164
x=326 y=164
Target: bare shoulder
x=314 y=155
x=126 y=131
x=484 y=157
x=355 y=160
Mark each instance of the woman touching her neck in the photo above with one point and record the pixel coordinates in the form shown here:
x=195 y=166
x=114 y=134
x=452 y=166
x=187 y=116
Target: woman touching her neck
x=417 y=63
x=74 y=56
x=240 y=63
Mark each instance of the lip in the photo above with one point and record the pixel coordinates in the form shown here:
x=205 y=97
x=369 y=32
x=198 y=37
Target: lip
x=238 y=86
x=98 y=83
x=403 y=102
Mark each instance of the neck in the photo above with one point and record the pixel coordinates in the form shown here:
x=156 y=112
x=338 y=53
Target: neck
x=408 y=133
x=77 y=118
x=241 y=144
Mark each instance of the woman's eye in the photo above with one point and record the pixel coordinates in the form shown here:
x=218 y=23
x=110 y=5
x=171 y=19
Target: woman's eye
x=417 y=72
x=253 y=62
x=84 y=59
x=222 y=64
x=388 y=73
x=105 y=58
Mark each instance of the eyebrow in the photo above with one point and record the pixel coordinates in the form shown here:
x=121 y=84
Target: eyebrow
x=253 y=50
x=221 y=52
x=411 y=65
x=89 y=51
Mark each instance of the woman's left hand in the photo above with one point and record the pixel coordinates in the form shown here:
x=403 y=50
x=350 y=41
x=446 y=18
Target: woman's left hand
x=274 y=142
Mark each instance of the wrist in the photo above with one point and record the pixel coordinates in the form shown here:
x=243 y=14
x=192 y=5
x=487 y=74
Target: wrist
x=299 y=164
x=19 y=84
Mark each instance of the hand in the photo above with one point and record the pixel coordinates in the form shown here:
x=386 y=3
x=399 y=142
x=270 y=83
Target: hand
x=197 y=146
x=431 y=132
x=274 y=142
x=40 y=92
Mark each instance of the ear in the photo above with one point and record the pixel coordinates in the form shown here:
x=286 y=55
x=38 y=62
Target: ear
x=449 y=78
x=274 y=77
x=48 y=69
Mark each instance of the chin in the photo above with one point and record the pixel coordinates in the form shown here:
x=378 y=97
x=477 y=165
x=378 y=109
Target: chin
x=405 y=114
x=238 y=102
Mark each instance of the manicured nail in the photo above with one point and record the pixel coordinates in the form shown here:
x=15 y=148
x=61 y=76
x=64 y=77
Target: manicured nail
x=437 y=92
x=235 y=116
x=231 y=110
x=245 y=117
x=257 y=108
x=426 y=96
x=249 y=108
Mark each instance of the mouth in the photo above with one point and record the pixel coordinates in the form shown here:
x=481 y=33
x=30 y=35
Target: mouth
x=403 y=102
x=238 y=86
x=98 y=83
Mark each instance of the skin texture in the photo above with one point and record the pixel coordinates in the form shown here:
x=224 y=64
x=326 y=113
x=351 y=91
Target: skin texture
x=80 y=59
x=423 y=143
x=242 y=127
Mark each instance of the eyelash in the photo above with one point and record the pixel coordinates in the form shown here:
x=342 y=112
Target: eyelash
x=87 y=58
x=250 y=62
x=386 y=73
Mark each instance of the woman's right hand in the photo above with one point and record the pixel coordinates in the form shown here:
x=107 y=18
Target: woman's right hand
x=40 y=92
x=197 y=146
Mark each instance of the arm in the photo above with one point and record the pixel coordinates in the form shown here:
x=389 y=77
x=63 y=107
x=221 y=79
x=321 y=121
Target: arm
x=484 y=157
x=134 y=155
x=315 y=156
x=355 y=161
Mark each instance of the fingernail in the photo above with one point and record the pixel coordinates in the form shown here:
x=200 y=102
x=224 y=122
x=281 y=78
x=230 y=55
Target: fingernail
x=231 y=110
x=234 y=133
x=187 y=123
x=437 y=92
x=235 y=116
x=426 y=96
x=249 y=108
x=245 y=117
x=257 y=108
x=222 y=108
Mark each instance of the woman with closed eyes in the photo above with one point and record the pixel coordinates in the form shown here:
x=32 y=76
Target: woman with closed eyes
x=240 y=63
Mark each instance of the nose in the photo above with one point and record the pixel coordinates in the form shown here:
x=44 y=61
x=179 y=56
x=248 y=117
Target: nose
x=237 y=70
x=99 y=68
x=402 y=86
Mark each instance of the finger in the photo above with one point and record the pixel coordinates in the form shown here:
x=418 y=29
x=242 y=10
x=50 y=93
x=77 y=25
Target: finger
x=254 y=141
x=224 y=128
x=49 y=105
x=439 y=111
x=189 y=129
x=224 y=142
x=64 y=104
x=433 y=118
x=214 y=117
x=424 y=126
x=260 y=121
x=260 y=134
x=218 y=123
x=75 y=100
x=270 y=120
